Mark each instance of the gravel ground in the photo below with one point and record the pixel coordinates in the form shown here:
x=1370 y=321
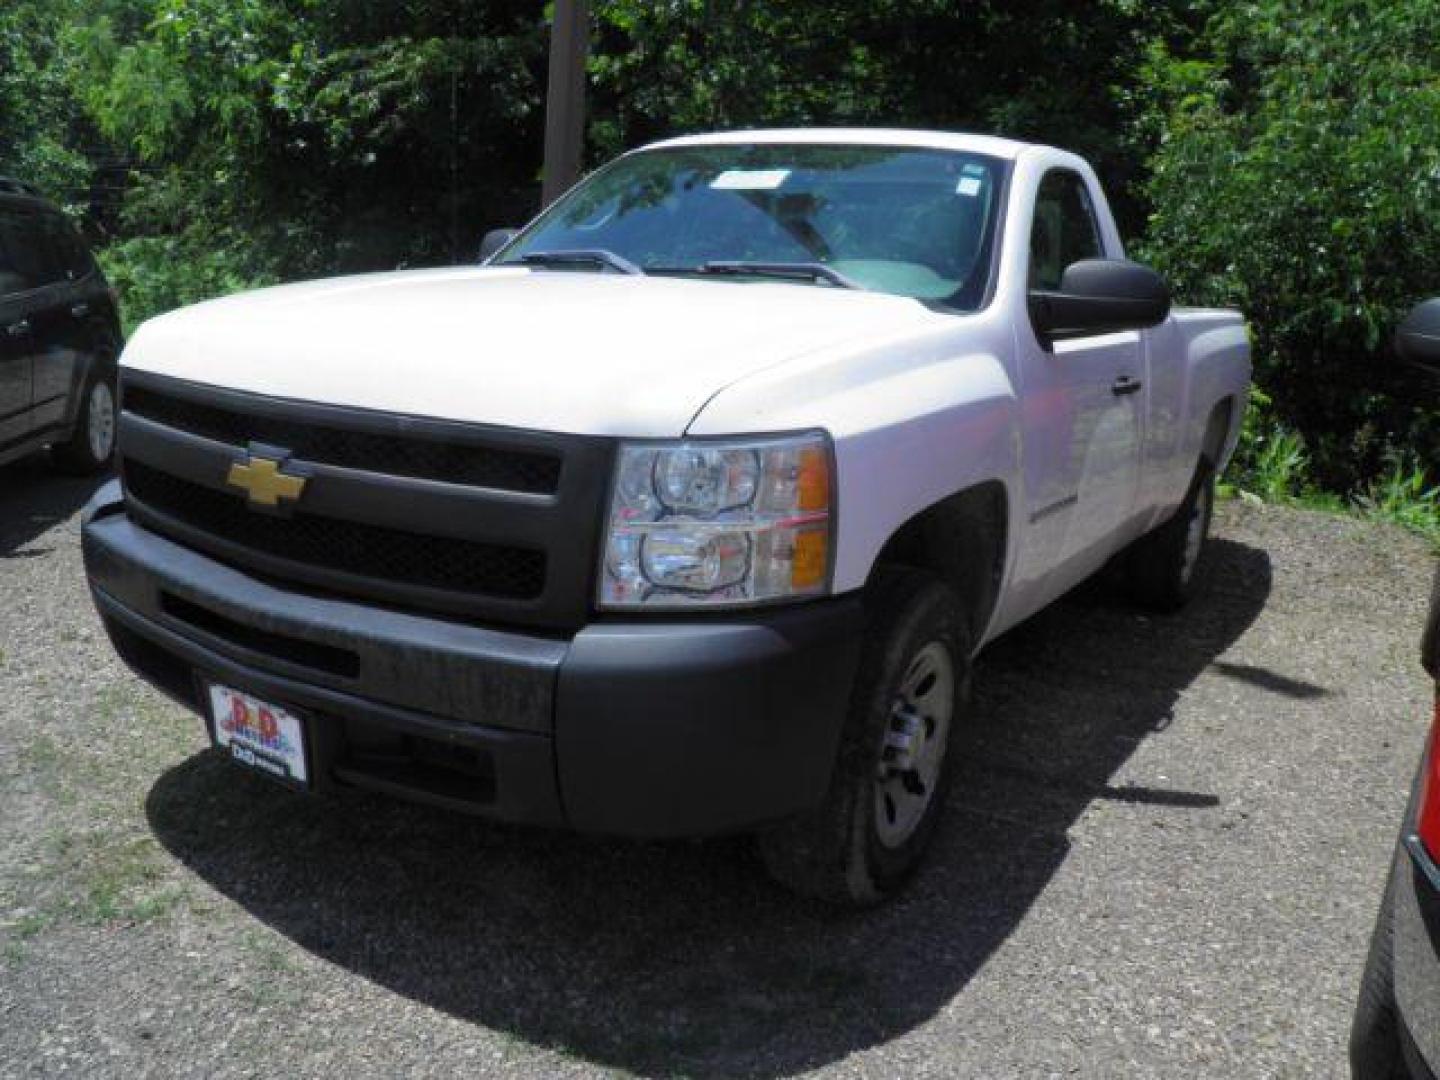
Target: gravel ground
x=1163 y=860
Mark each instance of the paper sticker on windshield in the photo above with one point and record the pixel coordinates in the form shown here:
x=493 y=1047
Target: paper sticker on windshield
x=969 y=185
x=750 y=179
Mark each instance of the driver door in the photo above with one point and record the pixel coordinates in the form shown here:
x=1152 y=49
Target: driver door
x=1081 y=415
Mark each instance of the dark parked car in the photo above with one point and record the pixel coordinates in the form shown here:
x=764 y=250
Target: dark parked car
x=59 y=337
x=1396 y=1033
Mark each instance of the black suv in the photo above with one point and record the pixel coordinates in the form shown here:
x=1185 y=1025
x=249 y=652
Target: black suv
x=59 y=337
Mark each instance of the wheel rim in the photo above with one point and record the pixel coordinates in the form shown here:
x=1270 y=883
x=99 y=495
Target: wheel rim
x=1195 y=530
x=912 y=751
x=101 y=421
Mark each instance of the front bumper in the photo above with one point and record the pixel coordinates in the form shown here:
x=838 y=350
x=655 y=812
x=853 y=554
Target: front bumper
x=655 y=729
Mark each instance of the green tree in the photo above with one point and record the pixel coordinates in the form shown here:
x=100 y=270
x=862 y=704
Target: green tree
x=1034 y=69
x=287 y=138
x=43 y=132
x=1297 y=175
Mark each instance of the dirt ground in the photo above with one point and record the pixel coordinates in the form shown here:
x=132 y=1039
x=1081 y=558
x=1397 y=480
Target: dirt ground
x=1163 y=860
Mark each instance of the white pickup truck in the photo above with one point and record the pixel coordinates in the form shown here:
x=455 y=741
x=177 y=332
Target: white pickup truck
x=688 y=511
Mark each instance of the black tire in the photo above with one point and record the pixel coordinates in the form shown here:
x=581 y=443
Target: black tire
x=836 y=852
x=1160 y=568
x=1375 y=1050
x=79 y=455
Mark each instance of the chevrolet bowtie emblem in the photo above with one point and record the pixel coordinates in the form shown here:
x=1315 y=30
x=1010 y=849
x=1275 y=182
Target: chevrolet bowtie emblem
x=261 y=479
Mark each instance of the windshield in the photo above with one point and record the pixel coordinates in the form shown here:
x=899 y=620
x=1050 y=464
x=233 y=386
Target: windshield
x=916 y=223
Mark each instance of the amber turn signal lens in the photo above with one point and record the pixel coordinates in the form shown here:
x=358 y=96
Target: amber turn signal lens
x=808 y=564
x=813 y=482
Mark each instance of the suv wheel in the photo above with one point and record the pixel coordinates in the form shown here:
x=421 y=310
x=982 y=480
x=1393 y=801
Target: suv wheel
x=92 y=444
x=907 y=714
x=1375 y=1051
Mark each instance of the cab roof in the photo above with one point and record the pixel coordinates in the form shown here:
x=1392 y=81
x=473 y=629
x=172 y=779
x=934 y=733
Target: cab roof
x=1007 y=149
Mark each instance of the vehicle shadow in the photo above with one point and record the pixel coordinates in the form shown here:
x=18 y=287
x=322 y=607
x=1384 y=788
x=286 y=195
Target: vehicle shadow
x=33 y=498
x=682 y=958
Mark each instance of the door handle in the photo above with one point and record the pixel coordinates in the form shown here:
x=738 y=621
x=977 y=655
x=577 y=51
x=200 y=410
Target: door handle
x=1125 y=384
x=18 y=329
x=80 y=310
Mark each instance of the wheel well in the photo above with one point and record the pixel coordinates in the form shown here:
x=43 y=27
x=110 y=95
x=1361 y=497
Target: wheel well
x=1216 y=430
x=961 y=539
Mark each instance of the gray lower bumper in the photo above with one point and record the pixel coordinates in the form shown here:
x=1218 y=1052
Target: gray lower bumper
x=654 y=728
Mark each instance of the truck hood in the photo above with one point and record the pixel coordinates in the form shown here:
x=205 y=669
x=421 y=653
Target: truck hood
x=586 y=353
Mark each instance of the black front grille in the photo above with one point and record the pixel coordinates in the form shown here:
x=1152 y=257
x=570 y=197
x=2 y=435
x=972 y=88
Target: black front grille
x=369 y=551
x=510 y=536
x=497 y=467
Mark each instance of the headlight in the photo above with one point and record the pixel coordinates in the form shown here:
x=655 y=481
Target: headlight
x=729 y=522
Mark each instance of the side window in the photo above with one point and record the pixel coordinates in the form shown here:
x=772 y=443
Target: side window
x=1064 y=231
x=12 y=279
x=26 y=262
x=69 y=258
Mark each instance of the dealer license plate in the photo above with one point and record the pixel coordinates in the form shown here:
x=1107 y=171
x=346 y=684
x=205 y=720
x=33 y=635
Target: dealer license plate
x=258 y=734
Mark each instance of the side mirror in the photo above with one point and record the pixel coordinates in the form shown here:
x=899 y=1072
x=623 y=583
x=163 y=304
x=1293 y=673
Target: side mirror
x=1418 y=339
x=494 y=240
x=1100 y=296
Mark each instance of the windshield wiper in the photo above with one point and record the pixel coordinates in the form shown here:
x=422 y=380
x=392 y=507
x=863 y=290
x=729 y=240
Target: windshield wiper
x=812 y=271
x=582 y=257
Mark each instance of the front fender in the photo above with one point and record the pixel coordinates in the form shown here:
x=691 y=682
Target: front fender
x=913 y=423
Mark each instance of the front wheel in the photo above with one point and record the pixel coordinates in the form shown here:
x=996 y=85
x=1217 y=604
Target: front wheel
x=906 y=716
x=92 y=444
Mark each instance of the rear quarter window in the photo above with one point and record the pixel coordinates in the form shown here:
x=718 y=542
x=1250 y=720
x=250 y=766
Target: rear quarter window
x=15 y=256
x=70 y=258
x=34 y=251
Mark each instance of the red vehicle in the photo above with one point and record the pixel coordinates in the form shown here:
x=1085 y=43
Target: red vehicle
x=1396 y=1032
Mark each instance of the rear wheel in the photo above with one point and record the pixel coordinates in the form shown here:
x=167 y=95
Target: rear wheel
x=906 y=716
x=91 y=445
x=1162 y=566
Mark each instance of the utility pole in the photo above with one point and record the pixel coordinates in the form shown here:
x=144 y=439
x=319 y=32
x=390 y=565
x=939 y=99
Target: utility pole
x=565 y=98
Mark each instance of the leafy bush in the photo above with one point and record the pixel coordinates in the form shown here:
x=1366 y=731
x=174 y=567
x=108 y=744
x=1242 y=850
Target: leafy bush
x=154 y=274
x=41 y=127
x=308 y=139
x=1271 y=463
x=1297 y=175
x=1404 y=496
